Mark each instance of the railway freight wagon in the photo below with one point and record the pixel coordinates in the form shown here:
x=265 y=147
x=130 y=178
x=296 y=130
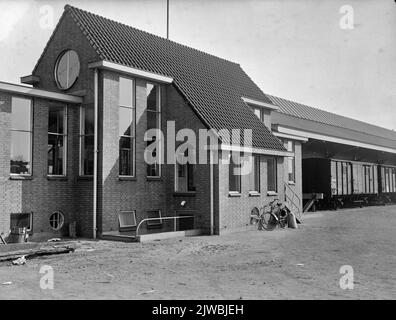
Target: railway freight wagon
x=387 y=182
x=335 y=183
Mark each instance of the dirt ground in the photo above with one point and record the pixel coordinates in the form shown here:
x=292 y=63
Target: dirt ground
x=283 y=264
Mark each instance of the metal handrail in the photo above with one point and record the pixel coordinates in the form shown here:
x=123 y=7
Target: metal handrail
x=161 y=218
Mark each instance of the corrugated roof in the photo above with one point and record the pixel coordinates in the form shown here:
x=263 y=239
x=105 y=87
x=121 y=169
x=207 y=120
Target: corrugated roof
x=303 y=111
x=213 y=86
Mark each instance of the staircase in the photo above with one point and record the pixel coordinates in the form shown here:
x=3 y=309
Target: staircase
x=293 y=201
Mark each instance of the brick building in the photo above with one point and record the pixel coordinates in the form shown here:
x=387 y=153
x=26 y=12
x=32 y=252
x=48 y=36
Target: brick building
x=97 y=71
x=74 y=140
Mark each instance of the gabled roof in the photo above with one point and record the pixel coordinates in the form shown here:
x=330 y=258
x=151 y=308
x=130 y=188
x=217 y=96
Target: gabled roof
x=330 y=123
x=212 y=86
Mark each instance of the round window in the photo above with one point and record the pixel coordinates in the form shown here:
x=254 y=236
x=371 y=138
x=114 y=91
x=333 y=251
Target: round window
x=56 y=220
x=67 y=69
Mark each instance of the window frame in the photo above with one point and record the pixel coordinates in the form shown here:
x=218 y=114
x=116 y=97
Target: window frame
x=60 y=215
x=133 y=130
x=82 y=135
x=150 y=223
x=65 y=144
x=30 y=174
x=30 y=230
x=293 y=161
x=256 y=172
x=261 y=110
x=176 y=175
x=231 y=166
x=58 y=60
x=159 y=123
x=127 y=226
x=273 y=192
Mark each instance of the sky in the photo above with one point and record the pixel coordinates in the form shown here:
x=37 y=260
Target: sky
x=296 y=49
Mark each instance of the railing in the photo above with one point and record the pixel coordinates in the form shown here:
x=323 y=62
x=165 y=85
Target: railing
x=162 y=218
x=293 y=199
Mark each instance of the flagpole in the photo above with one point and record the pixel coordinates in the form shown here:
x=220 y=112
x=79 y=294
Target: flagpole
x=167 y=19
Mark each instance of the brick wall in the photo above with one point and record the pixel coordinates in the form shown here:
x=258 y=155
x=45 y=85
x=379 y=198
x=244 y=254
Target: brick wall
x=38 y=194
x=69 y=36
x=234 y=211
x=141 y=193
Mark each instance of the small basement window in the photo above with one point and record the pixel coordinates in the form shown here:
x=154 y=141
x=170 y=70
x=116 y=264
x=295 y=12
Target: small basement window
x=127 y=219
x=154 y=214
x=56 y=220
x=22 y=220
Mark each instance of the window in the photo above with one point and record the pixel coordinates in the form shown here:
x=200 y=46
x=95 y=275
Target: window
x=259 y=113
x=127 y=219
x=234 y=176
x=155 y=215
x=67 y=69
x=153 y=122
x=57 y=138
x=185 y=176
x=21 y=136
x=291 y=162
x=126 y=122
x=272 y=175
x=56 y=220
x=21 y=220
x=254 y=175
x=86 y=141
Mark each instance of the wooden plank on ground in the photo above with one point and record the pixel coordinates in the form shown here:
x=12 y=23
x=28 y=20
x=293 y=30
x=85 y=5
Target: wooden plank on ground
x=42 y=251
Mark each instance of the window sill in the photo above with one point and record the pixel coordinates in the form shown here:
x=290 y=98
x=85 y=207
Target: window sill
x=272 y=193
x=20 y=177
x=234 y=194
x=153 y=178
x=59 y=178
x=121 y=178
x=89 y=178
x=254 y=194
x=184 y=194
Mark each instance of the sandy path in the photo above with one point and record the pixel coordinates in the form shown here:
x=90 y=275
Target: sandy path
x=283 y=264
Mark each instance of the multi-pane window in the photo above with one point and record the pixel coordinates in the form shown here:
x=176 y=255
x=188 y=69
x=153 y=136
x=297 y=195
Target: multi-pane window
x=86 y=141
x=57 y=140
x=21 y=136
x=234 y=176
x=272 y=175
x=291 y=162
x=254 y=175
x=185 y=176
x=153 y=122
x=126 y=122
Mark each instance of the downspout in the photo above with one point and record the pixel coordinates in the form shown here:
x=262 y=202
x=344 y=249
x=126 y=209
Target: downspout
x=95 y=173
x=211 y=178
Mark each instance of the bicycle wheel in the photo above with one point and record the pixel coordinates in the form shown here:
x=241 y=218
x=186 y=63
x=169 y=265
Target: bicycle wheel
x=268 y=221
x=283 y=218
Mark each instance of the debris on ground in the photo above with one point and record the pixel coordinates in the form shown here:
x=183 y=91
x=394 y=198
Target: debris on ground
x=20 y=261
x=54 y=240
x=35 y=252
x=300 y=264
x=7 y=283
x=146 y=292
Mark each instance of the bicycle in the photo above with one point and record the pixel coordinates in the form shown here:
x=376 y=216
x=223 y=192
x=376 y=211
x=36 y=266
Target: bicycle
x=270 y=215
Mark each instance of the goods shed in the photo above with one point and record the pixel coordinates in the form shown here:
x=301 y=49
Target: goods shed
x=344 y=161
